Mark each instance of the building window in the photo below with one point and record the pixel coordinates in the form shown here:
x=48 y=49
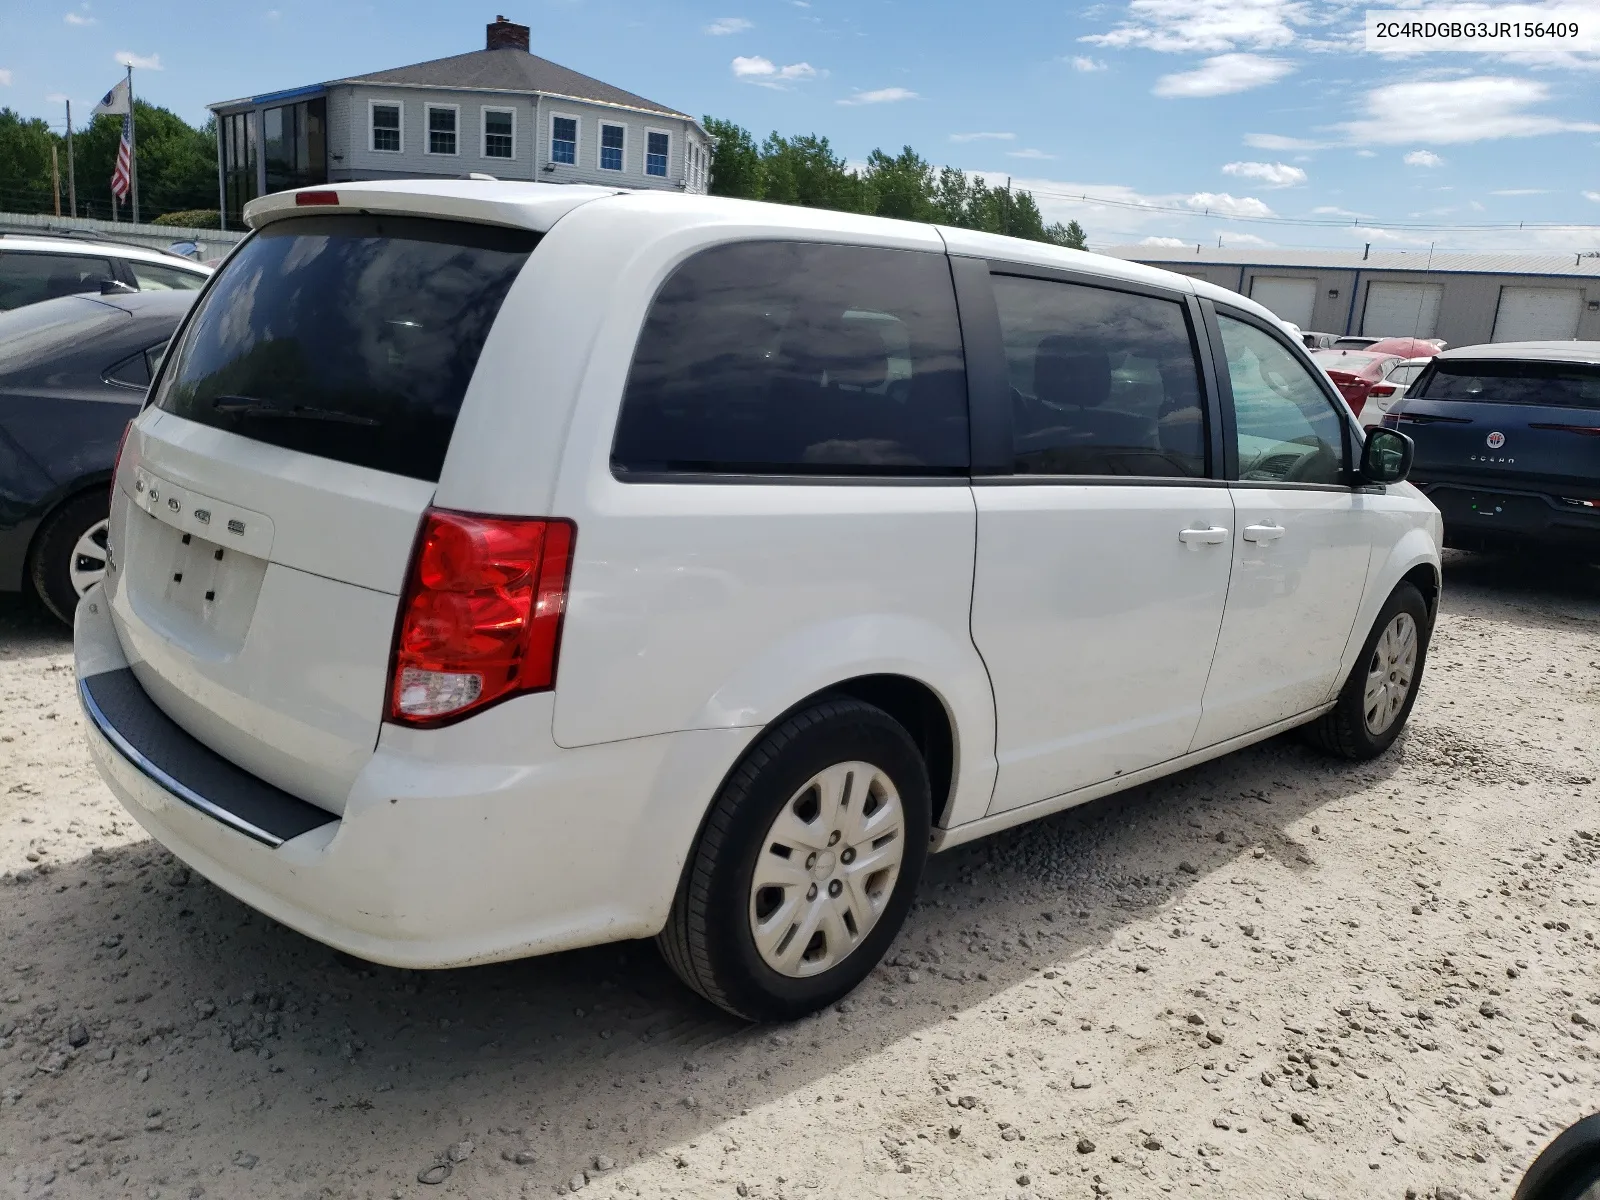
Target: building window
x=499 y=133
x=564 y=140
x=294 y=141
x=657 y=145
x=386 y=128
x=612 y=140
x=442 y=120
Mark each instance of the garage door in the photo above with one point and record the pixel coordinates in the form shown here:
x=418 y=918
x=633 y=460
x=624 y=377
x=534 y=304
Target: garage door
x=1290 y=299
x=1529 y=314
x=1401 y=310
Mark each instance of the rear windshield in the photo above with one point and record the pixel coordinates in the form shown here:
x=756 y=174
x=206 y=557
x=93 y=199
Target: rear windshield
x=348 y=337
x=1553 y=385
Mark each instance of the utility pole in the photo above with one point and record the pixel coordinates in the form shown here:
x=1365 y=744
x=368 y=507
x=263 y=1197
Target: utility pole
x=133 y=149
x=55 y=177
x=72 y=168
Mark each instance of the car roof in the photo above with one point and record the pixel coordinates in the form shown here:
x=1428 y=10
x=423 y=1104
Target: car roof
x=154 y=303
x=1551 y=351
x=61 y=245
x=538 y=206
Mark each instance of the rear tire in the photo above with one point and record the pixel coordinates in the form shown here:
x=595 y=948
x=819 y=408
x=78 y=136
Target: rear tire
x=69 y=553
x=806 y=865
x=1376 y=700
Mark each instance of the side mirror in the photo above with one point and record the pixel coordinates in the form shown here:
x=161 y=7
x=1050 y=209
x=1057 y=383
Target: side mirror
x=1386 y=458
x=1568 y=1168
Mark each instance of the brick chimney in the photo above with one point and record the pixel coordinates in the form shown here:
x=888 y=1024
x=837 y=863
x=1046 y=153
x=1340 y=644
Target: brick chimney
x=506 y=35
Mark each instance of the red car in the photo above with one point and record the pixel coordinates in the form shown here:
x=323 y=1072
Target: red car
x=1406 y=347
x=1354 y=372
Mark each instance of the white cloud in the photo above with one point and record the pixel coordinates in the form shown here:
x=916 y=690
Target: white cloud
x=1595 y=196
x=5 y=77
x=1229 y=206
x=73 y=18
x=1224 y=75
x=1082 y=62
x=1172 y=242
x=1275 y=141
x=1205 y=26
x=1521 y=192
x=723 y=26
x=1245 y=239
x=57 y=98
x=273 y=14
x=888 y=95
x=1333 y=210
x=1423 y=158
x=756 y=69
x=1276 y=175
x=1028 y=153
x=150 y=62
x=1458 y=110
x=983 y=137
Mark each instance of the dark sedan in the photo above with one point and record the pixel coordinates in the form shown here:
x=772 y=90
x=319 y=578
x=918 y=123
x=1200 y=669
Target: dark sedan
x=73 y=373
x=1508 y=444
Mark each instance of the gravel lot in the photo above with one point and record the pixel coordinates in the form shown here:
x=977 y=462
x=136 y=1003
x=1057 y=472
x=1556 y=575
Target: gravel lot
x=1269 y=976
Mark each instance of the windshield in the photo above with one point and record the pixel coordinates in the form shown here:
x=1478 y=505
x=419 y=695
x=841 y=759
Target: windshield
x=350 y=337
x=1553 y=385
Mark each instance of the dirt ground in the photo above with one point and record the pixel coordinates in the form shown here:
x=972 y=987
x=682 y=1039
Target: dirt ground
x=1270 y=976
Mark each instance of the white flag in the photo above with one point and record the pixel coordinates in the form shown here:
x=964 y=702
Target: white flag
x=115 y=101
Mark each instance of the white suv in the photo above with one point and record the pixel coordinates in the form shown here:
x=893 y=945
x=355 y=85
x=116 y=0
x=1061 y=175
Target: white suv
x=501 y=568
x=41 y=268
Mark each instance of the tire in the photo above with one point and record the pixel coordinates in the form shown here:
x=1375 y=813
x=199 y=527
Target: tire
x=62 y=567
x=1359 y=727
x=751 y=946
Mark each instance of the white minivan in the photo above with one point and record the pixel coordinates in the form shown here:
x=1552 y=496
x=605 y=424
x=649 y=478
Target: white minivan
x=499 y=568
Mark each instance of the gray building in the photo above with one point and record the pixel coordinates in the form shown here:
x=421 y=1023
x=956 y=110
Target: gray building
x=1466 y=299
x=499 y=111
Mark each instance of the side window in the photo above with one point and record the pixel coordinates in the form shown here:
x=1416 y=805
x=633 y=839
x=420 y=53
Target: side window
x=1288 y=429
x=132 y=372
x=29 y=278
x=792 y=358
x=153 y=277
x=1102 y=382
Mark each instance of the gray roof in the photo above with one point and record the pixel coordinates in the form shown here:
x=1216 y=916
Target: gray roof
x=509 y=70
x=1351 y=260
x=1571 y=352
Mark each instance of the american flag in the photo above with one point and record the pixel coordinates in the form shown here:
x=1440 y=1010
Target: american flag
x=122 y=178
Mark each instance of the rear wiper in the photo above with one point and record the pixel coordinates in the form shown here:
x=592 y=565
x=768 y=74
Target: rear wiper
x=246 y=406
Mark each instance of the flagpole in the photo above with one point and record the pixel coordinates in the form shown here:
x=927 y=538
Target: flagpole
x=72 y=176
x=133 y=149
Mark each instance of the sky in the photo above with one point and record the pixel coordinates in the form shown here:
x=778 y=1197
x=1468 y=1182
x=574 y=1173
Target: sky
x=1259 y=122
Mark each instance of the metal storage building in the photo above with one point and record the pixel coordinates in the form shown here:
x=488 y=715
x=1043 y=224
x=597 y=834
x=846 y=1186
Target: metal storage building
x=1467 y=299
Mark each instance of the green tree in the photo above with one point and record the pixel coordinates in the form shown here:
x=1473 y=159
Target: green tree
x=736 y=168
x=25 y=144
x=901 y=186
x=177 y=162
x=1070 y=235
x=804 y=170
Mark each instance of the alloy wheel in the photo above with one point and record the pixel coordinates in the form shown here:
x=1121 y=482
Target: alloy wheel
x=88 y=565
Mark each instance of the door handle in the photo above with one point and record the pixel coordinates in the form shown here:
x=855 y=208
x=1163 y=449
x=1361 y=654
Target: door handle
x=1263 y=533
x=1214 y=536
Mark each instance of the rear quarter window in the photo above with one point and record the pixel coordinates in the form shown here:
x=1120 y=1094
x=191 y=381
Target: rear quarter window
x=796 y=358
x=349 y=337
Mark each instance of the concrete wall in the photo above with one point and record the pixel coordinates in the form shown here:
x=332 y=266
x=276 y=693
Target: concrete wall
x=1467 y=305
x=214 y=243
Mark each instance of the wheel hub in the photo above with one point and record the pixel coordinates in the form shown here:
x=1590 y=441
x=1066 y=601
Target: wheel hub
x=827 y=869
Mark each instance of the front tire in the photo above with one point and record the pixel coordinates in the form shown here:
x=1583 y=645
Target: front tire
x=806 y=865
x=69 y=555
x=1376 y=700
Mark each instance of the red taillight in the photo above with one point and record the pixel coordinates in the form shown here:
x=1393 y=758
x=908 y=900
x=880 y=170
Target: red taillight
x=480 y=619
x=316 y=198
x=1581 y=430
x=116 y=463
x=1383 y=389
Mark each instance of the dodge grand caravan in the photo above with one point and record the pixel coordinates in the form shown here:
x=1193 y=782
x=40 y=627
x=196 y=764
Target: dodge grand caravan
x=500 y=568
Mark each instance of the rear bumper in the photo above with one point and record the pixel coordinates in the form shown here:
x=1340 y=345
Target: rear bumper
x=1485 y=516
x=445 y=855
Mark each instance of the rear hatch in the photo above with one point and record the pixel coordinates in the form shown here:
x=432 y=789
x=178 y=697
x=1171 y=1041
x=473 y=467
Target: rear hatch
x=268 y=498
x=1518 y=425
